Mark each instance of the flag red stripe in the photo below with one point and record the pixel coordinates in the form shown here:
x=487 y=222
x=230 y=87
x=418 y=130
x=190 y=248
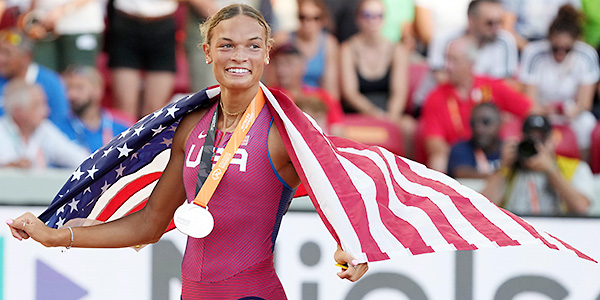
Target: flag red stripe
x=342 y=185
x=125 y=193
x=530 y=229
x=401 y=229
x=579 y=253
x=425 y=204
x=352 y=203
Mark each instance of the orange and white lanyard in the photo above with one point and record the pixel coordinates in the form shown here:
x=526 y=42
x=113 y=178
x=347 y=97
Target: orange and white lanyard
x=218 y=170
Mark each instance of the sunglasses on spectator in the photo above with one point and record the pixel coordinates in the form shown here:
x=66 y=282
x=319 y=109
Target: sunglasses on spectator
x=483 y=121
x=557 y=49
x=371 y=16
x=493 y=23
x=11 y=37
x=305 y=18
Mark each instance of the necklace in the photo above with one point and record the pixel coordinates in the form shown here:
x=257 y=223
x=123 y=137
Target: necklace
x=229 y=113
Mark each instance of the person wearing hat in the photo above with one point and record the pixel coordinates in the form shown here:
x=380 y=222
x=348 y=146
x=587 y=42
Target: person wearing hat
x=534 y=180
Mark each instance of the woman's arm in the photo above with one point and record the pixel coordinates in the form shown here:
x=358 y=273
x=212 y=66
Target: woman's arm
x=423 y=24
x=399 y=83
x=350 y=87
x=143 y=227
x=583 y=100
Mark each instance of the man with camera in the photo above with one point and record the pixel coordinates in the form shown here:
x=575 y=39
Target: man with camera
x=533 y=180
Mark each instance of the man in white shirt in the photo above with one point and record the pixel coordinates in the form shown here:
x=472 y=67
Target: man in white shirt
x=27 y=138
x=498 y=54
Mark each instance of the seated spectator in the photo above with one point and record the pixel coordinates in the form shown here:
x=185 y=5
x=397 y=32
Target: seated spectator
x=498 y=53
x=91 y=126
x=375 y=71
x=528 y=20
x=533 y=180
x=447 y=110
x=480 y=156
x=561 y=74
x=287 y=68
x=27 y=138
x=16 y=63
x=319 y=47
x=66 y=32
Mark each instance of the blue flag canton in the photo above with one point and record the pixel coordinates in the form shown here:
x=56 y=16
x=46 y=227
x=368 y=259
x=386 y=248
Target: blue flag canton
x=125 y=154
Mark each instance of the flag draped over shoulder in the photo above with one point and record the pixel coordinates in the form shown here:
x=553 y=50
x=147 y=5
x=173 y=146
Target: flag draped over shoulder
x=375 y=204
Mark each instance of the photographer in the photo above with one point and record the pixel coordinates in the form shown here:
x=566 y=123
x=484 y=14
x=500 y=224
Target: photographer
x=533 y=180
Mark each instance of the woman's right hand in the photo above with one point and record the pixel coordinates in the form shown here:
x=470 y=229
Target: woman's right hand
x=28 y=225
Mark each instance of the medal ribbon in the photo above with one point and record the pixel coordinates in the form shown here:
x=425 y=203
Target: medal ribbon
x=209 y=184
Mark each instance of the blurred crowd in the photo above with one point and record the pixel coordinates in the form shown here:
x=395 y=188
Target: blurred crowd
x=505 y=91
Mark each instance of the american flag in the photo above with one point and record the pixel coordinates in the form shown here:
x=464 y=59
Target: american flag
x=375 y=204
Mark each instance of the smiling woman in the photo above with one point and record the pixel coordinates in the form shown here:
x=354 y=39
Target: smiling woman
x=232 y=258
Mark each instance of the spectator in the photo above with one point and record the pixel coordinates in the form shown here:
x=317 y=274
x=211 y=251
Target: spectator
x=318 y=46
x=561 y=74
x=528 y=20
x=480 y=156
x=533 y=180
x=66 y=32
x=447 y=110
x=16 y=63
x=435 y=16
x=141 y=49
x=288 y=69
x=27 y=139
x=375 y=71
x=91 y=126
x=498 y=54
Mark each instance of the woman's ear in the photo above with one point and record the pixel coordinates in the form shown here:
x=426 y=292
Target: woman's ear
x=267 y=57
x=207 y=55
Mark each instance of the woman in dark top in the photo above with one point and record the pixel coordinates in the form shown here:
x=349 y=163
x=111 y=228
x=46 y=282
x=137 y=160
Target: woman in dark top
x=375 y=71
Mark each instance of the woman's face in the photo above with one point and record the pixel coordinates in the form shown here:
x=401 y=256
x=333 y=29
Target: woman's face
x=370 y=17
x=311 y=19
x=238 y=51
x=561 y=44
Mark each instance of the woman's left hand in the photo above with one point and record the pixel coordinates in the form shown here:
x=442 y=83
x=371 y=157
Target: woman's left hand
x=355 y=270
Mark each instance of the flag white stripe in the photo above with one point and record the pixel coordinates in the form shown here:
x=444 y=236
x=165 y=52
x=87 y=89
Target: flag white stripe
x=497 y=217
x=463 y=227
x=415 y=216
x=386 y=241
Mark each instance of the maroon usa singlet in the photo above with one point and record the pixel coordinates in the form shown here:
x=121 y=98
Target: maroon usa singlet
x=236 y=259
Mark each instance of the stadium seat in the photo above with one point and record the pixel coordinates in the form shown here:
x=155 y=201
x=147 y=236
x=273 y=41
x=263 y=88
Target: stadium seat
x=595 y=150
x=565 y=141
x=372 y=131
